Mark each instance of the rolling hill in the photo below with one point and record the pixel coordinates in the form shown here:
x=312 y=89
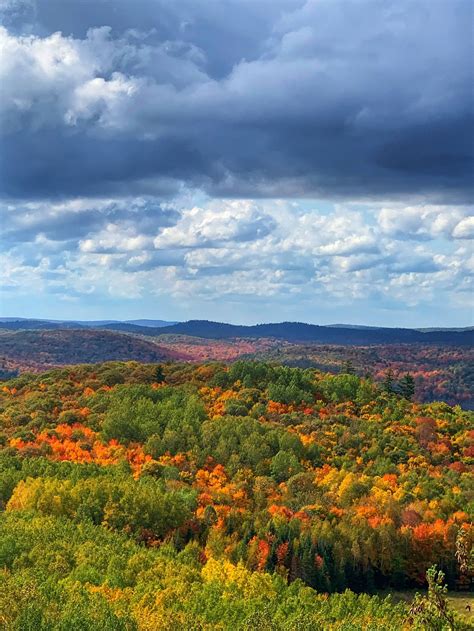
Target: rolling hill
x=300 y=332
x=287 y=331
x=40 y=349
x=441 y=362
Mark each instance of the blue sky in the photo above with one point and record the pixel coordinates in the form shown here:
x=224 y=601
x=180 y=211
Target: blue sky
x=238 y=161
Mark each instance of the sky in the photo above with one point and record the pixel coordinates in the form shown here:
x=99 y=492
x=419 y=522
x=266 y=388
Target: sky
x=236 y=160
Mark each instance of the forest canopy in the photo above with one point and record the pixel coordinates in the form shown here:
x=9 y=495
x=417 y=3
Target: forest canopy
x=167 y=496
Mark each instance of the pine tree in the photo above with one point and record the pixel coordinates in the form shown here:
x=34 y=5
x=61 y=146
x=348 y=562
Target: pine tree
x=406 y=386
x=387 y=384
x=159 y=375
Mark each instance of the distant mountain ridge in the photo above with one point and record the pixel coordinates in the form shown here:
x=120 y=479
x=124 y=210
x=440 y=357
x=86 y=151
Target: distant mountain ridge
x=39 y=323
x=288 y=331
x=423 y=329
x=301 y=332
x=152 y=323
x=38 y=349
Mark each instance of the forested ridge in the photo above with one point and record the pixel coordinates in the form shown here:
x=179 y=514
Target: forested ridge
x=441 y=372
x=288 y=331
x=303 y=332
x=250 y=496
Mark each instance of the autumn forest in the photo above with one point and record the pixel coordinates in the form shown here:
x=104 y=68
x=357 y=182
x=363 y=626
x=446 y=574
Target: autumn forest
x=236 y=315
x=245 y=496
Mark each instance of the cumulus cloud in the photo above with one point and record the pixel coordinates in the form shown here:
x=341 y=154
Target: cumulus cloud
x=240 y=251
x=207 y=227
x=464 y=229
x=425 y=222
x=350 y=245
x=75 y=219
x=158 y=149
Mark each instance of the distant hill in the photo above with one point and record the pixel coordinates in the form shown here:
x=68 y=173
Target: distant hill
x=147 y=327
x=141 y=327
x=351 y=326
x=32 y=350
x=25 y=324
x=288 y=331
x=300 y=332
x=440 y=361
x=152 y=323
x=39 y=323
x=461 y=328
x=424 y=329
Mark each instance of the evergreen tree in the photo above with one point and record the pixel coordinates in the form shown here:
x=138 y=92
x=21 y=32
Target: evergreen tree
x=406 y=386
x=159 y=375
x=387 y=384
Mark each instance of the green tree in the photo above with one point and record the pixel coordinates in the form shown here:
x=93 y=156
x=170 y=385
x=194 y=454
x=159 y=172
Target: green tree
x=130 y=420
x=388 y=382
x=406 y=386
x=284 y=465
x=159 y=375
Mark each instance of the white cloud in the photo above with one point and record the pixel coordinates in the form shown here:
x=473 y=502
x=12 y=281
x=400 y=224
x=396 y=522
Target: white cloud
x=244 y=248
x=39 y=75
x=422 y=222
x=216 y=225
x=355 y=244
x=115 y=238
x=103 y=99
x=464 y=229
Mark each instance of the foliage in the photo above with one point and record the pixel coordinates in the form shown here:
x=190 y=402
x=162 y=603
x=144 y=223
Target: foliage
x=432 y=612
x=145 y=496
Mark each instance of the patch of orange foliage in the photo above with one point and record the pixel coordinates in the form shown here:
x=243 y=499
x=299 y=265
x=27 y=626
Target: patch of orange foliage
x=281 y=511
x=77 y=443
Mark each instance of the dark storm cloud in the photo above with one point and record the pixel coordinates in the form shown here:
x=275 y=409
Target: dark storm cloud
x=333 y=99
x=227 y=31
x=54 y=163
x=67 y=223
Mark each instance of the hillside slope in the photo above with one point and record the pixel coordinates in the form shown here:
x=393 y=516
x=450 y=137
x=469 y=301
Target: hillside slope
x=301 y=332
x=135 y=497
x=288 y=331
x=36 y=350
